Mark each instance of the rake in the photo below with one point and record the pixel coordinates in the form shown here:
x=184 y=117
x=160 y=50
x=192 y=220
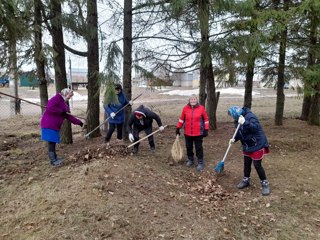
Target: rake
x=220 y=166
x=131 y=145
x=107 y=119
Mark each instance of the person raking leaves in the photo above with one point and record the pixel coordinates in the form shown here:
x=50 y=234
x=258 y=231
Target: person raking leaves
x=254 y=145
x=141 y=119
x=116 y=120
x=56 y=111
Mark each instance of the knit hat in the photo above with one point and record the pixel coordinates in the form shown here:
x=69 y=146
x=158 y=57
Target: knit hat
x=235 y=112
x=139 y=114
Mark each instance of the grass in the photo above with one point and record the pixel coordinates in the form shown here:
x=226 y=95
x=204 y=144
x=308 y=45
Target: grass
x=148 y=197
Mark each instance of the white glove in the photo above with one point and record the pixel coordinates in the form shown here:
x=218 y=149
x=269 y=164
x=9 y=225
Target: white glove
x=161 y=128
x=112 y=115
x=131 y=138
x=241 y=120
x=231 y=141
x=131 y=102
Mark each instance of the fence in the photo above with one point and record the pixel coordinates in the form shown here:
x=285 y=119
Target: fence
x=151 y=98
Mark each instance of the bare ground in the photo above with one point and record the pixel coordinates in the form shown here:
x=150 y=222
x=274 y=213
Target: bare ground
x=105 y=193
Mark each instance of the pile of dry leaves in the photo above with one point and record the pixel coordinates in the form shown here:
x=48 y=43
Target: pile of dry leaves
x=210 y=191
x=98 y=152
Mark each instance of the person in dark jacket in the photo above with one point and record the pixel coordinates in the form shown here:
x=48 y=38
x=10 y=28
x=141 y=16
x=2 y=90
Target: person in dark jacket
x=254 y=145
x=56 y=111
x=195 y=120
x=141 y=119
x=116 y=119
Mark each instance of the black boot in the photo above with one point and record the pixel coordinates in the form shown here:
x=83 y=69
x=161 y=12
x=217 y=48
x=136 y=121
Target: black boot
x=190 y=162
x=53 y=159
x=244 y=183
x=200 y=165
x=265 y=187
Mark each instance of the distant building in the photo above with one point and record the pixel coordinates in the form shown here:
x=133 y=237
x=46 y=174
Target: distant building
x=29 y=79
x=79 y=77
x=186 y=79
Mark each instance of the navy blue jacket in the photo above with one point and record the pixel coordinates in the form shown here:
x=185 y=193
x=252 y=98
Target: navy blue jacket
x=147 y=119
x=119 y=118
x=251 y=133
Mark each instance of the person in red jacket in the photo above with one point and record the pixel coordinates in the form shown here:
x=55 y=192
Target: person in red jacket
x=196 y=125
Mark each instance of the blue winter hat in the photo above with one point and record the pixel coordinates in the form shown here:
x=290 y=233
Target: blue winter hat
x=235 y=112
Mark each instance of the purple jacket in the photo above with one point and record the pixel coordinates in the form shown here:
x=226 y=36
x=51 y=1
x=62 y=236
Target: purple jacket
x=55 y=114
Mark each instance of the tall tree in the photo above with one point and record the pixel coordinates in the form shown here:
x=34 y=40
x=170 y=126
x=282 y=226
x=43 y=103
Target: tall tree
x=250 y=69
x=281 y=65
x=39 y=55
x=12 y=26
x=253 y=49
x=59 y=62
x=311 y=104
x=93 y=110
x=206 y=68
x=127 y=56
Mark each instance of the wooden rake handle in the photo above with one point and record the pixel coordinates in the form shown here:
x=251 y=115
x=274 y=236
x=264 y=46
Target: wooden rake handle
x=39 y=105
x=131 y=145
x=96 y=128
x=229 y=146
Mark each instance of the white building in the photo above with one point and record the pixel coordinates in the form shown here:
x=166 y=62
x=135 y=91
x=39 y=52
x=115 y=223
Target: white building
x=186 y=79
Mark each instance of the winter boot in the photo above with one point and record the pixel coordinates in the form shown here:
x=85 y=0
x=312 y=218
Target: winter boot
x=244 y=183
x=53 y=159
x=190 y=162
x=58 y=158
x=265 y=187
x=153 y=149
x=200 y=165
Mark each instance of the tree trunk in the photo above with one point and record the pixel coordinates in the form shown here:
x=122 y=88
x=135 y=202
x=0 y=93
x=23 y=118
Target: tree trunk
x=212 y=100
x=314 y=118
x=39 y=57
x=206 y=68
x=250 y=72
x=281 y=69
x=249 y=82
x=205 y=54
x=313 y=115
x=15 y=103
x=59 y=62
x=93 y=110
x=305 y=107
x=127 y=59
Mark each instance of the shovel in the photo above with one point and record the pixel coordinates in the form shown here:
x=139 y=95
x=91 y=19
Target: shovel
x=220 y=166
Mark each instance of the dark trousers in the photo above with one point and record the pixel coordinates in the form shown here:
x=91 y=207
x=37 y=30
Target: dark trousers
x=147 y=130
x=258 y=166
x=111 y=129
x=52 y=149
x=197 y=141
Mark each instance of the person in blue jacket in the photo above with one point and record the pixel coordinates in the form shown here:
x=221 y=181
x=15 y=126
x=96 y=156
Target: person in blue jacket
x=254 y=145
x=116 y=119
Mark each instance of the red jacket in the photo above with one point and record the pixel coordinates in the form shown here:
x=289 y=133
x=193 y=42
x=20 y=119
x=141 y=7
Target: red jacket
x=195 y=120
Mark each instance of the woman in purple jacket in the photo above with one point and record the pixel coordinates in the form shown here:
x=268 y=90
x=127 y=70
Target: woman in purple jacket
x=56 y=111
